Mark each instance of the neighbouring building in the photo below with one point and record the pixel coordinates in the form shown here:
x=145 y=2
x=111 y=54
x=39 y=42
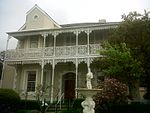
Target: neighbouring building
x=53 y=55
x=1 y=68
x=1 y=64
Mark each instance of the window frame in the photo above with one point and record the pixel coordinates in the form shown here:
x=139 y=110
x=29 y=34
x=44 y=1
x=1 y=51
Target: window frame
x=35 y=41
x=29 y=82
x=25 y=78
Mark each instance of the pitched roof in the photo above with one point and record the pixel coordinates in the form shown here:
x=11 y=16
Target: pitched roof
x=37 y=7
x=88 y=24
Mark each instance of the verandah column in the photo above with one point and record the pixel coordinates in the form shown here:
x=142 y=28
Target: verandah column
x=55 y=34
x=88 y=48
x=53 y=68
x=76 y=33
x=76 y=86
x=15 y=78
x=52 y=82
x=88 y=42
x=76 y=93
x=43 y=54
x=42 y=68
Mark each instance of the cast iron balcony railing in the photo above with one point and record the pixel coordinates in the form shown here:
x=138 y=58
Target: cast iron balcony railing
x=48 y=52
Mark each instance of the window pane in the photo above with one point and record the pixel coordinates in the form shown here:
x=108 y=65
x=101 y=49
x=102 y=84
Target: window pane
x=31 y=86
x=34 y=42
x=49 y=41
x=82 y=38
x=31 y=81
x=31 y=77
x=98 y=36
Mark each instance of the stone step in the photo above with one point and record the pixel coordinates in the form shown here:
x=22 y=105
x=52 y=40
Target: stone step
x=52 y=108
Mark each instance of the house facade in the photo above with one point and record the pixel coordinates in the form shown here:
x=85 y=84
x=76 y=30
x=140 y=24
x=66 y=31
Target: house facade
x=58 y=56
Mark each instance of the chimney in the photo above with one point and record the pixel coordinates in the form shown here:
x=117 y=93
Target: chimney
x=102 y=21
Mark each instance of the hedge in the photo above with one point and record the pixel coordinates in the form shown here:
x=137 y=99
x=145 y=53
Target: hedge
x=135 y=107
x=27 y=111
x=131 y=108
x=9 y=100
x=29 y=105
x=77 y=103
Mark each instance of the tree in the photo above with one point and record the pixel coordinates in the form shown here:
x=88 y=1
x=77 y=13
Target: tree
x=117 y=62
x=134 y=30
x=40 y=96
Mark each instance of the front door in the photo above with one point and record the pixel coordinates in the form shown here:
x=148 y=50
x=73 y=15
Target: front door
x=69 y=86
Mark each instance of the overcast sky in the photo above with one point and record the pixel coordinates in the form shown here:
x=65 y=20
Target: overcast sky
x=13 y=12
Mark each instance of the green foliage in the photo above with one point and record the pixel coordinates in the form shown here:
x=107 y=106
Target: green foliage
x=77 y=103
x=130 y=108
x=40 y=91
x=135 y=32
x=22 y=111
x=40 y=95
x=33 y=111
x=9 y=100
x=72 y=111
x=27 y=111
x=29 y=105
x=113 y=91
x=77 y=108
x=147 y=96
x=117 y=62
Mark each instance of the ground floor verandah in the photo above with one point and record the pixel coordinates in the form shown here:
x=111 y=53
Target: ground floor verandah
x=63 y=78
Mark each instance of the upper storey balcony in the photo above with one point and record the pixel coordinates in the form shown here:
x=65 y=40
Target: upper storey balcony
x=48 y=52
x=58 y=43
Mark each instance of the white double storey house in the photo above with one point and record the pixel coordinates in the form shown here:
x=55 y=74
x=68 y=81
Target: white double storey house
x=54 y=55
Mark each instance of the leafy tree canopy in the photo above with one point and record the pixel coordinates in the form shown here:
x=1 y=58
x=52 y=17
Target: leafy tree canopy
x=135 y=32
x=117 y=62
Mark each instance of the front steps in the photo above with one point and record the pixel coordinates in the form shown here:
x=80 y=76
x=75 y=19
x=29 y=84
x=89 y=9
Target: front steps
x=52 y=108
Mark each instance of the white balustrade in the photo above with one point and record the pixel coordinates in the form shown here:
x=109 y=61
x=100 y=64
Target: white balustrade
x=65 y=51
x=60 y=51
x=15 y=54
x=18 y=54
x=94 y=49
x=82 y=50
x=49 y=51
x=33 y=53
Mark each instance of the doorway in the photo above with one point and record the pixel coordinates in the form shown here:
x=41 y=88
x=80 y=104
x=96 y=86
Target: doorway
x=69 y=86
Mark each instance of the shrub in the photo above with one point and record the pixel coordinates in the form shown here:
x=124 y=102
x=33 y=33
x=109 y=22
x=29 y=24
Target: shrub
x=147 y=96
x=29 y=105
x=71 y=111
x=33 y=111
x=9 y=100
x=22 y=111
x=77 y=103
x=76 y=108
x=113 y=92
x=27 y=111
x=130 y=108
